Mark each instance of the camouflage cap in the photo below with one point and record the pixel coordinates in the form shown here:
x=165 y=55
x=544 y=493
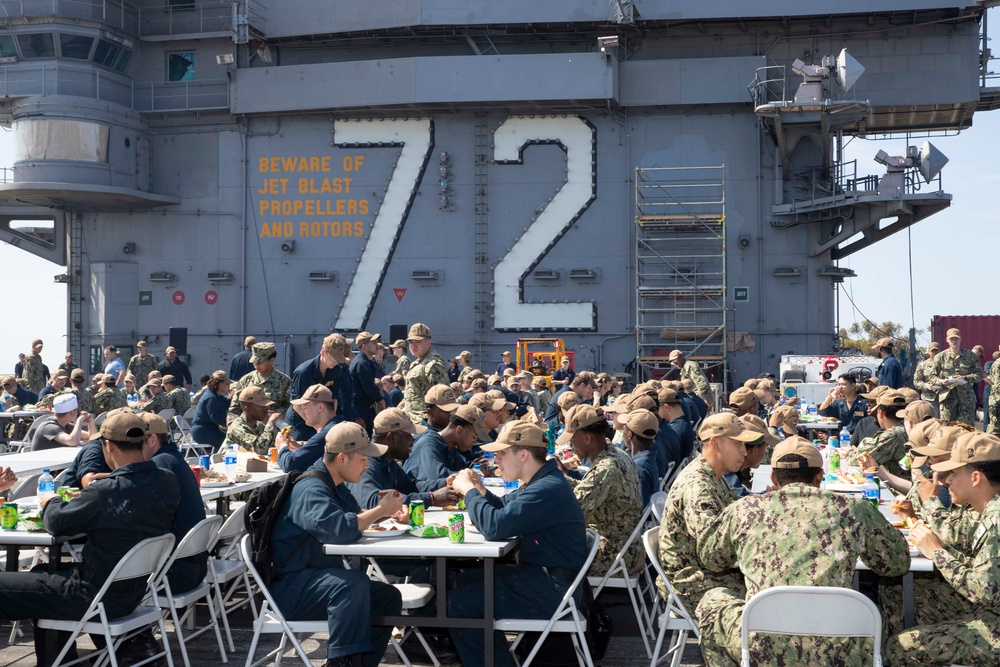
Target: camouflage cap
x=418 y=332
x=394 y=419
x=441 y=396
x=643 y=423
x=725 y=425
x=318 y=393
x=520 y=433
x=799 y=446
x=474 y=416
x=262 y=352
x=255 y=395
x=350 y=438
x=579 y=417
x=972 y=447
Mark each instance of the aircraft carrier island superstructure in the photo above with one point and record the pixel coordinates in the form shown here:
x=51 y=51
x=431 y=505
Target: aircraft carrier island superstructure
x=630 y=176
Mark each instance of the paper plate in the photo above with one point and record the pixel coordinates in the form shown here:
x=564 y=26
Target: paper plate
x=379 y=534
x=215 y=485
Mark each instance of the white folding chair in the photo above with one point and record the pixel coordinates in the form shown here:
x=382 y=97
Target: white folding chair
x=190 y=412
x=25 y=488
x=567 y=618
x=414 y=596
x=227 y=570
x=675 y=616
x=179 y=427
x=673 y=475
x=668 y=473
x=657 y=502
x=145 y=559
x=198 y=540
x=99 y=419
x=619 y=577
x=167 y=414
x=811 y=611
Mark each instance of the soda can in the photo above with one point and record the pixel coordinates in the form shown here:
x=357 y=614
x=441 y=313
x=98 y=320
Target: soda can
x=205 y=461
x=416 y=513
x=273 y=454
x=456 y=528
x=196 y=471
x=8 y=516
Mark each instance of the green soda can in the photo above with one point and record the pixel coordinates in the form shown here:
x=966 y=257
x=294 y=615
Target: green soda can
x=456 y=528
x=8 y=516
x=416 y=513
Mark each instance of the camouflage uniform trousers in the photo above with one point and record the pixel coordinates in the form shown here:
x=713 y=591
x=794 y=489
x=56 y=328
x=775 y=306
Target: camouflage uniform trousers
x=720 y=614
x=972 y=640
x=959 y=405
x=424 y=373
x=934 y=599
x=140 y=367
x=33 y=373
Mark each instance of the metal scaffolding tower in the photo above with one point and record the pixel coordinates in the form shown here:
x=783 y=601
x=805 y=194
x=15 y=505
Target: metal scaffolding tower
x=680 y=215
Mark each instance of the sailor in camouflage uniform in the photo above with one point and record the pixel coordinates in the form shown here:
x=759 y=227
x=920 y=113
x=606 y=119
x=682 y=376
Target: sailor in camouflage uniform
x=690 y=370
x=33 y=370
x=402 y=361
x=888 y=446
x=144 y=393
x=159 y=401
x=180 y=399
x=696 y=500
x=958 y=401
x=465 y=360
x=973 y=638
x=795 y=536
x=993 y=402
x=84 y=399
x=140 y=365
x=427 y=370
x=923 y=374
x=253 y=430
x=276 y=385
x=609 y=493
x=109 y=398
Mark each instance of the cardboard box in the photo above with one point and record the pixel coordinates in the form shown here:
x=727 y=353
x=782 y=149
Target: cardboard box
x=250 y=462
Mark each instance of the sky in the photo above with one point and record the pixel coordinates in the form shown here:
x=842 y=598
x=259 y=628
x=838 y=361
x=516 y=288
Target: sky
x=952 y=252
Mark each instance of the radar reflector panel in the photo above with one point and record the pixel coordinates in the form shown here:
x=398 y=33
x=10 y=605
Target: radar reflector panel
x=932 y=161
x=848 y=70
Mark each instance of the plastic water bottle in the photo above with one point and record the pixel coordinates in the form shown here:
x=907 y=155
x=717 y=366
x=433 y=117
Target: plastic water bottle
x=845 y=437
x=46 y=483
x=870 y=490
x=230 y=462
x=812 y=410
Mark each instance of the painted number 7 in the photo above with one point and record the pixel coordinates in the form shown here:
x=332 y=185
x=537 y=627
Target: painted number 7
x=415 y=138
x=511 y=312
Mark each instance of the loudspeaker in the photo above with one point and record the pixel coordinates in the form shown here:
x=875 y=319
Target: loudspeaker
x=397 y=331
x=179 y=339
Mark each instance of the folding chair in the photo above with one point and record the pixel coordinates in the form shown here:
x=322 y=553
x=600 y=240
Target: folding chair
x=675 y=616
x=190 y=412
x=179 y=428
x=414 y=596
x=677 y=470
x=668 y=473
x=811 y=611
x=145 y=559
x=167 y=414
x=657 y=502
x=99 y=419
x=619 y=577
x=228 y=570
x=26 y=487
x=567 y=617
x=198 y=540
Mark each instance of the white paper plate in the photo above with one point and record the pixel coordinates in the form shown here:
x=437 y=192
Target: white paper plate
x=215 y=485
x=400 y=530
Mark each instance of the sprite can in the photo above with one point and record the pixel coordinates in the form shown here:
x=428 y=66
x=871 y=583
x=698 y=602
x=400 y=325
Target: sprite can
x=8 y=516
x=416 y=513
x=456 y=528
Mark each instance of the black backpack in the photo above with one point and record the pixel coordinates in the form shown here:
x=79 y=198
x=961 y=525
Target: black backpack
x=263 y=507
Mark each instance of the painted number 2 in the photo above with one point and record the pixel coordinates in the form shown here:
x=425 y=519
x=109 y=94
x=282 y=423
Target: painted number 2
x=577 y=137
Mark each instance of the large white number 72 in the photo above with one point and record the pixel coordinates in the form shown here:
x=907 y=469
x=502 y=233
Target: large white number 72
x=577 y=137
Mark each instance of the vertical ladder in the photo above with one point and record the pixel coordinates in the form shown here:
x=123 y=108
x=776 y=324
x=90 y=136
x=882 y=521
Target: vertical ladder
x=74 y=314
x=482 y=252
x=680 y=215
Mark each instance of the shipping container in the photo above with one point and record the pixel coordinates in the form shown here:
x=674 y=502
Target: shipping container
x=976 y=330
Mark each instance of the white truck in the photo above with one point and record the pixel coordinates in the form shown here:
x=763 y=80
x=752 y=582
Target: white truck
x=809 y=378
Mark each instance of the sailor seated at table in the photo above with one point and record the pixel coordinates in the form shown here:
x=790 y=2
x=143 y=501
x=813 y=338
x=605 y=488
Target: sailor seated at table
x=394 y=430
x=638 y=429
x=741 y=481
x=160 y=449
x=65 y=427
x=545 y=514
x=253 y=430
x=888 y=446
x=318 y=408
x=927 y=500
x=971 y=637
x=7 y=480
x=844 y=403
x=818 y=539
x=435 y=456
x=309 y=585
x=138 y=500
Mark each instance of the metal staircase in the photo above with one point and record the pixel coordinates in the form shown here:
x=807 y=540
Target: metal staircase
x=680 y=215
